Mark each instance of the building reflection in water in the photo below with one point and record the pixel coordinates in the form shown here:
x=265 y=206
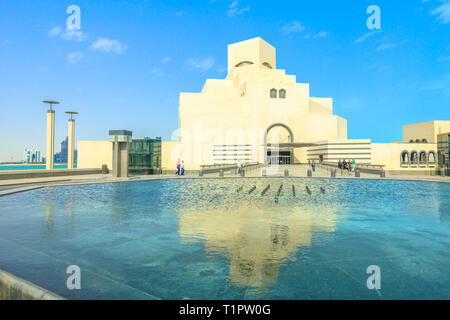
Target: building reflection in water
x=255 y=240
x=48 y=205
x=69 y=207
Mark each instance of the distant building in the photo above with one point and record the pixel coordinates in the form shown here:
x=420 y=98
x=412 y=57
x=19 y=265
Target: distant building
x=63 y=155
x=27 y=157
x=32 y=156
x=64 y=150
x=37 y=156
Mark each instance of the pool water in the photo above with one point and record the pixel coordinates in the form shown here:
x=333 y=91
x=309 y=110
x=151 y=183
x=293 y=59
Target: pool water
x=213 y=239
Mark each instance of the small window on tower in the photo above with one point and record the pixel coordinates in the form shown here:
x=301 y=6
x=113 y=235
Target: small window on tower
x=273 y=93
x=244 y=63
x=282 y=94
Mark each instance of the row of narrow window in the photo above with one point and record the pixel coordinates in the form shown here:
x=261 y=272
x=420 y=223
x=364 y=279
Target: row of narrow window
x=280 y=94
x=419 y=141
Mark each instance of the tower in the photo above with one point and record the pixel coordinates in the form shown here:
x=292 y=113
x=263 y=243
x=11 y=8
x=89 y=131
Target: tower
x=255 y=51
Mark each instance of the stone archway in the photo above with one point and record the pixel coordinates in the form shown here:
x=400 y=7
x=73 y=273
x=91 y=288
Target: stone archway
x=414 y=158
x=423 y=158
x=432 y=157
x=290 y=141
x=405 y=158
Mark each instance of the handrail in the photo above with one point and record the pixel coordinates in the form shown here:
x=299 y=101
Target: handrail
x=214 y=168
x=375 y=166
x=206 y=166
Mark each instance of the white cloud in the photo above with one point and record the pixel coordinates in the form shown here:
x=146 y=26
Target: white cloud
x=67 y=34
x=382 y=68
x=42 y=69
x=443 y=12
x=72 y=34
x=166 y=60
x=170 y=99
x=321 y=34
x=352 y=102
x=202 y=65
x=107 y=45
x=180 y=13
x=158 y=72
x=292 y=27
x=367 y=35
x=386 y=46
x=407 y=85
x=55 y=31
x=75 y=57
x=442 y=83
x=234 y=10
x=441 y=59
x=221 y=69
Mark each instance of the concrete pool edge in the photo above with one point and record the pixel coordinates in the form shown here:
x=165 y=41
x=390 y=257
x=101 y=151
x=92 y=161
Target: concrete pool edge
x=22 y=189
x=15 y=288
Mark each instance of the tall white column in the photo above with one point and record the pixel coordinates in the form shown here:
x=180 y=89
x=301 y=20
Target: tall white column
x=49 y=160
x=71 y=145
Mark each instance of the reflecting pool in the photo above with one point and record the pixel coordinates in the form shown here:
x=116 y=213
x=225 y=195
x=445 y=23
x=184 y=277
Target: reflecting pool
x=228 y=239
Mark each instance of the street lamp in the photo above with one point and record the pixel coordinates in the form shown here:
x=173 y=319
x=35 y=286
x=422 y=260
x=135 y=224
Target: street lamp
x=71 y=113
x=50 y=135
x=51 y=103
x=71 y=141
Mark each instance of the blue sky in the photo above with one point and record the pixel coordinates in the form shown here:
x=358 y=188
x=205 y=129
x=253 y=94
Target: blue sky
x=127 y=64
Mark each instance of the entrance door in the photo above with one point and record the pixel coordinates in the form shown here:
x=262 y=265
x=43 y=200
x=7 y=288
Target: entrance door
x=281 y=157
x=276 y=135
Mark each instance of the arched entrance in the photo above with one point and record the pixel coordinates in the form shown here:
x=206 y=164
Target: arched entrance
x=277 y=139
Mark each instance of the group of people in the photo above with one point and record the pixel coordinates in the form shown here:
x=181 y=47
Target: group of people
x=180 y=168
x=347 y=165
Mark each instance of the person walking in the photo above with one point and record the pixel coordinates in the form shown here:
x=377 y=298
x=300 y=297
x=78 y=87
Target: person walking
x=178 y=167
x=313 y=166
x=182 y=168
x=353 y=164
x=239 y=167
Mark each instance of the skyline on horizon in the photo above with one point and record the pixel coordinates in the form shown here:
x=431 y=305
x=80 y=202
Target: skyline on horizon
x=379 y=80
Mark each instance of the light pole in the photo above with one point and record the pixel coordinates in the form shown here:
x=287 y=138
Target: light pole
x=71 y=141
x=49 y=164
